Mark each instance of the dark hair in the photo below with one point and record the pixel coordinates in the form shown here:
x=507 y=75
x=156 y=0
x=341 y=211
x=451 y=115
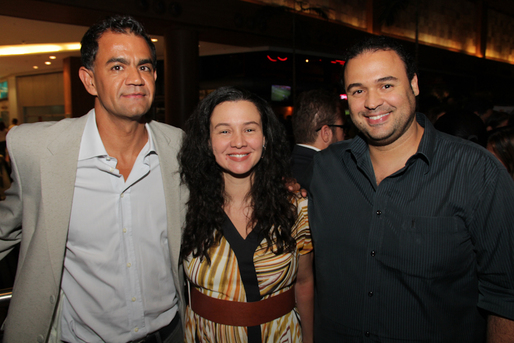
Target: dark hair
x=273 y=214
x=117 y=24
x=376 y=43
x=2 y=126
x=463 y=124
x=502 y=144
x=15 y=121
x=312 y=110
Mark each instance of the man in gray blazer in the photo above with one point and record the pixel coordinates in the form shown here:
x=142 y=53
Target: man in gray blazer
x=97 y=205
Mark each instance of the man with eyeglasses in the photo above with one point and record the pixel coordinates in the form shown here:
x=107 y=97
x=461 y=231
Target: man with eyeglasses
x=317 y=123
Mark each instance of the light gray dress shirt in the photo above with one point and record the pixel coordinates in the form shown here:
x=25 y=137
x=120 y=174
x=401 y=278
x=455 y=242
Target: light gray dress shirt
x=117 y=280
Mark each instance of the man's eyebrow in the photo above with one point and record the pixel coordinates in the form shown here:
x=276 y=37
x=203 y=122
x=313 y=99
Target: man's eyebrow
x=125 y=61
x=352 y=85
x=117 y=59
x=145 y=61
x=387 y=78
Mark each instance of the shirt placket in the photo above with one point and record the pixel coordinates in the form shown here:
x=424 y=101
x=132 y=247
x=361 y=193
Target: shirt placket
x=371 y=292
x=133 y=293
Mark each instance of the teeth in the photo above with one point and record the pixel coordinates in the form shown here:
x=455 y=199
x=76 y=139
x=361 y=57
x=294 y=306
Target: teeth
x=238 y=155
x=378 y=117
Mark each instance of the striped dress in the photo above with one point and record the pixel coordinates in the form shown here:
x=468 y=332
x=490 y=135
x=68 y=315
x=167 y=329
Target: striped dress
x=235 y=263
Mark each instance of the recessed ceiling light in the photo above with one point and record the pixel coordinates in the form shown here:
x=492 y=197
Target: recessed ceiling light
x=35 y=67
x=52 y=57
x=48 y=63
x=24 y=49
x=155 y=40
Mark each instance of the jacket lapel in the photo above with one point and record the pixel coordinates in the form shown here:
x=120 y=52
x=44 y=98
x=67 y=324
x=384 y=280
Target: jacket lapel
x=58 y=173
x=167 y=151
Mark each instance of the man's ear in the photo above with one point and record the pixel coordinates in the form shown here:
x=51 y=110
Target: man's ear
x=326 y=134
x=414 y=85
x=86 y=76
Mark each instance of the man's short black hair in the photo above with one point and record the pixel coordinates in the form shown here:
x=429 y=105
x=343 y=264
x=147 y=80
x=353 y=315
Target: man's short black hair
x=378 y=43
x=312 y=110
x=117 y=24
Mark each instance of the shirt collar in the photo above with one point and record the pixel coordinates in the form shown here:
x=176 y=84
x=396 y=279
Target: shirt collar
x=92 y=145
x=309 y=147
x=359 y=148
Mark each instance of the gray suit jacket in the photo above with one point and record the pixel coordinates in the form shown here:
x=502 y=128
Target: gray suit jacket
x=44 y=160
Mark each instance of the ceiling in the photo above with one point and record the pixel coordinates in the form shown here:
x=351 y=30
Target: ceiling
x=15 y=31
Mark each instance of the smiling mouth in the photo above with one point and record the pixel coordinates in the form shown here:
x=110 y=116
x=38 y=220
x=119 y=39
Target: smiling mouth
x=238 y=155
x=379 y=116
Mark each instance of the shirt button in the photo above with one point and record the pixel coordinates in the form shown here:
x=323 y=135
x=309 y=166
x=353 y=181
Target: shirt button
x=133 y=299
x=108 y=158
x=111 y=169
x=367 y=334
x=122 y=195
x=379 y=212
x=136 y=329
x=40 y=338
x=372 y=253
x=124 y=230
x=128 y=265
x=370 y=294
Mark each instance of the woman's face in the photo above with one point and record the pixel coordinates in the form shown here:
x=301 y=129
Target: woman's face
x=237 y=139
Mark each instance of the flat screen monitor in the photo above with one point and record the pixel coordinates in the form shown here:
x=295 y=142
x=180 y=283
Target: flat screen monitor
x=280 y=93
x=3 y=90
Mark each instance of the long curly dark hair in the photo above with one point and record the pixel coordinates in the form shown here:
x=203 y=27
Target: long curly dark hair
x=273 y=214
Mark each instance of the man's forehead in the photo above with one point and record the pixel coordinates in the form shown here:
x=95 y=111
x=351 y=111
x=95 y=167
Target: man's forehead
x=380 y=59
x=114 y=35
x=113 y=43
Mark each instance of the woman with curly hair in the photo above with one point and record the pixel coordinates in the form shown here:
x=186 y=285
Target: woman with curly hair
x=246 y=245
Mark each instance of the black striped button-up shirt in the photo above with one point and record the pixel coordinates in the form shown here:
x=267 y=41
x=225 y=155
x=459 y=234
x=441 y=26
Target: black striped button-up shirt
x=420 y=258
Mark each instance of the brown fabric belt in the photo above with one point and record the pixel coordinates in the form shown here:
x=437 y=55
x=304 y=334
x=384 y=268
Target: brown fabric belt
x=237 y=313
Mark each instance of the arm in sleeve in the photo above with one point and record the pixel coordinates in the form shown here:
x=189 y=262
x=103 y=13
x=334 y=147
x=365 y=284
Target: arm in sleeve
x=492 y=229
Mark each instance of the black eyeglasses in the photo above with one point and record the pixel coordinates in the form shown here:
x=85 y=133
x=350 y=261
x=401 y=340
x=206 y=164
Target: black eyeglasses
x=345 y=127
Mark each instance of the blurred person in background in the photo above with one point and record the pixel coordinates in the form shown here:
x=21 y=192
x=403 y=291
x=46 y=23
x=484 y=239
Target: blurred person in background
x=3 y=135
x=317 y=122
x=14 y=123
x=496 y=120
x=463 y=124
x=481 y=107
x=501 y=144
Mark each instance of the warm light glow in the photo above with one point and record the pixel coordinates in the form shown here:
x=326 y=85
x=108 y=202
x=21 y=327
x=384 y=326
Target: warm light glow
x=155 y=40
x=48 y=63
x=52 y=57
x=306 y=60
x=25 y=49
x=35 y=67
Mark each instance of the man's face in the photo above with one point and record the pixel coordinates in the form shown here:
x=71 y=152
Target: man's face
x=123 y=76
x=380 y=96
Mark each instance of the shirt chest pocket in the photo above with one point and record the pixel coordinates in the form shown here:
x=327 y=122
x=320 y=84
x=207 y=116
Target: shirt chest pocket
x=430 y=247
